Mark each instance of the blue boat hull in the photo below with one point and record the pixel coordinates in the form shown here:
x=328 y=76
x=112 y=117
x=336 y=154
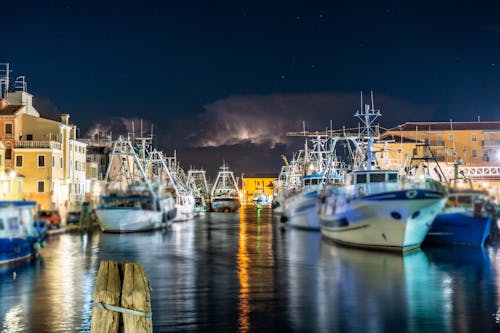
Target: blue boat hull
x=460 y=229
x=16 y=249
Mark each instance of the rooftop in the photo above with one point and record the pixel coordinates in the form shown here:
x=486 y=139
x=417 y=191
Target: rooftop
x=445 y=126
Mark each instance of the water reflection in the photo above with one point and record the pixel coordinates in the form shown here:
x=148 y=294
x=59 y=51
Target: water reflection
x=242 y=272
x=441 y=289
x=16 y=286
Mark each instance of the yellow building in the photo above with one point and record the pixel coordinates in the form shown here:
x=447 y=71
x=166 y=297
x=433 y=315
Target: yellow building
x=257 y=185
x=45 y=151
x=11 y=183
x=474 y=145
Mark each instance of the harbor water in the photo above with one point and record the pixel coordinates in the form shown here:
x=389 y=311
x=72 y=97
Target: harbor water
x=243 y=272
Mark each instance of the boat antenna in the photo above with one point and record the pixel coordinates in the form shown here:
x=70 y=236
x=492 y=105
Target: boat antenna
x=368 y=115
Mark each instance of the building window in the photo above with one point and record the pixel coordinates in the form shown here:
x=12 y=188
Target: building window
x=0 y=159
x=29 y=137
x=41 y=161
x=19 y=161
x=53 y=161
x=20 y=186
x=8 y=153
x=41 y=186
x=8 y=130
x=450 y=137
x=61 y=162
x=474 y=138
x=474 y=153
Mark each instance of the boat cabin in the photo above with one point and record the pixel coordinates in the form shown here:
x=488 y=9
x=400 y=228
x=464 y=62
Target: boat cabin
x=376 y=176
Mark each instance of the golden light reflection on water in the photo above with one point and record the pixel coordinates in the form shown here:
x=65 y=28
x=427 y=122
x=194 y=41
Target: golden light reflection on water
x=255 y=263
x=243 y=262
x=13 y=319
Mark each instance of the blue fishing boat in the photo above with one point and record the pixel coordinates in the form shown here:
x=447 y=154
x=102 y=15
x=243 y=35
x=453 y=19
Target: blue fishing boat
x=19 y=239
x=465 y=220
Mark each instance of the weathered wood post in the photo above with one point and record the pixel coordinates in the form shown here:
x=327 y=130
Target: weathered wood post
x=107 y=291
x=136 y=297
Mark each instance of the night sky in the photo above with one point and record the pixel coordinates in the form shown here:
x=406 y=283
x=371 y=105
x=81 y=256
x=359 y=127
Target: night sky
x=224 y=80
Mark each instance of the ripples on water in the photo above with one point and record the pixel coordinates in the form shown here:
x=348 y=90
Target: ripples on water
x=243 y=272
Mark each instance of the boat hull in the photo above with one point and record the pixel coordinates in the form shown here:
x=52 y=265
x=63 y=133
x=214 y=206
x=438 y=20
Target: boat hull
x=459 y=228
x=184 y=213
x=19 y=239
x=17 y=249
x=301 y=211
x=387 y=221
x=129 y=219
x=225 y=205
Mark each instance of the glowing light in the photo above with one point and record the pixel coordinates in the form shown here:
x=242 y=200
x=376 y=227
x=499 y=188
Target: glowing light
x=12 y=174
x=243 y=262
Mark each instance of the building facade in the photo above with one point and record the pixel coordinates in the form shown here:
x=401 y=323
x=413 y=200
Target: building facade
x=475 y=146
x=45 y=152
x=254 y=186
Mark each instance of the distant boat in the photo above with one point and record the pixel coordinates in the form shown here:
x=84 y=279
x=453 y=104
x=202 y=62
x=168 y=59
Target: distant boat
x=466 y=218
x=132 y=201
x=225 y=196
x=197 y=183
x=19 y=239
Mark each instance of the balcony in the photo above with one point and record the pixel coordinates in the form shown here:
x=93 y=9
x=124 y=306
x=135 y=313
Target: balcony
x=491 y=143
x=436 y=143
x=37 y=144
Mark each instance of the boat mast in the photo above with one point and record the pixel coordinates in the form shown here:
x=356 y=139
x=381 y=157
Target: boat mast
x=368 y=115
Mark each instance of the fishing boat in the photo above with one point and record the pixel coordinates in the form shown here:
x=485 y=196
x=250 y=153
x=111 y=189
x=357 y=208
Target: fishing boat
x=183 y=195
x=466 y=218
x=19 y=239
x=197 y=182
x=381 y=209
x=132 y=202
x=224 y=195
x=300 y=208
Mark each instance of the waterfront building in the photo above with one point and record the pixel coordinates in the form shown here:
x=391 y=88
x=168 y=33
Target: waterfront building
x=97 y=164
x=11 y=183
x=257 y=185
x=45 y=151
x=475 y=146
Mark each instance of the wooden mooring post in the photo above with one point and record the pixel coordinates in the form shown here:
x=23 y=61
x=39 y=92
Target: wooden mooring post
x=122 y=300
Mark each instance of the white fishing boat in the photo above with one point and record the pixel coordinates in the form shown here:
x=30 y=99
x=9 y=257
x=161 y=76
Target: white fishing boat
x=197 y=182
x=380 y=208
x=132 y=201
x=184 y=197
x=301 y=206
x=225 y=196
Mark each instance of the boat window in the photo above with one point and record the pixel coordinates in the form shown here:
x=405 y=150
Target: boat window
x=377 y=177
x=13 y=224
x=307 y=181
x=1 y=224
x=392 y=177
x=361 y=179
x=464 y=199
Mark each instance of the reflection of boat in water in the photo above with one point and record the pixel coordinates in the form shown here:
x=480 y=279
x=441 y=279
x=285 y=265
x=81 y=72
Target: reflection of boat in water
x=19 y=240
x=430 y=290
x=225 y=196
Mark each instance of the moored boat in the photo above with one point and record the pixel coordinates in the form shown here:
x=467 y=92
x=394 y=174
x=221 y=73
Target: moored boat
x=225 y=196
x=133 y=200
x=19 y=239
x=466 y=218
x=381 y=209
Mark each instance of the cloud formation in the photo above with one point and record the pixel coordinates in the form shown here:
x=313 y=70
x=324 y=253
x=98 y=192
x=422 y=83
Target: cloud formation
x=249 y=131
x=265 y=119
